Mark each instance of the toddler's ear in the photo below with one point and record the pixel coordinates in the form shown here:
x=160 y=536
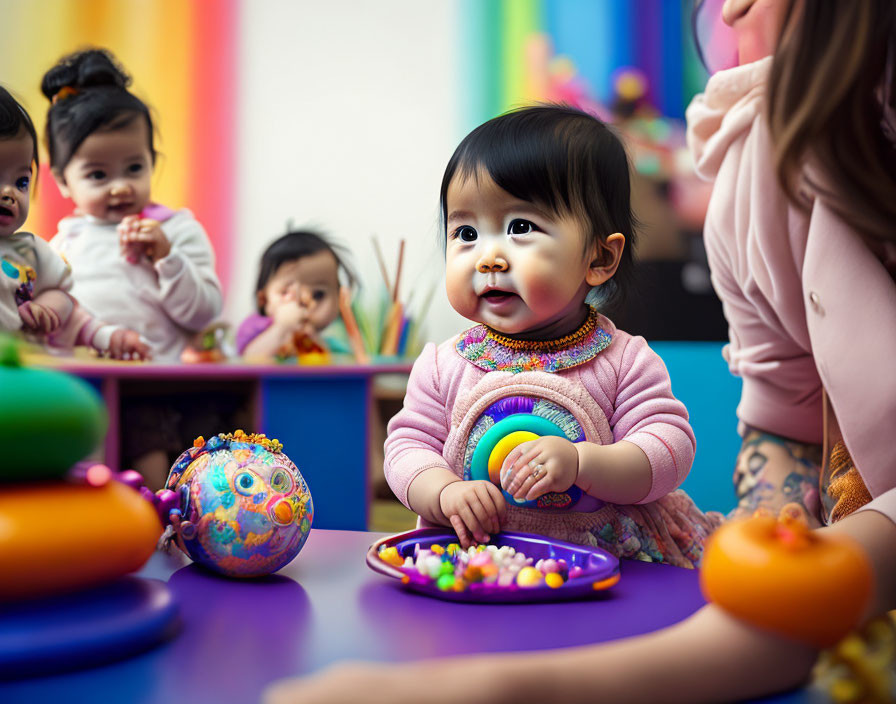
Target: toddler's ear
x=261 y=299
x=60 y=181
x=605 y=259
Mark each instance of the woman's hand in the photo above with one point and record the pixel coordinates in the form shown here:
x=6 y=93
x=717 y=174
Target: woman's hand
x=536 y=467
x=474 y=509
x=138 y=236
x=473 y=680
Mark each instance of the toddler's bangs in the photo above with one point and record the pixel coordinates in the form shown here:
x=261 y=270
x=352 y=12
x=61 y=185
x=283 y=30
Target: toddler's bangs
x=529 y=159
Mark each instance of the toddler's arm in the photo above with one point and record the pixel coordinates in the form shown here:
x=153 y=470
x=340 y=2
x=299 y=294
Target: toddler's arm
x=414 y=466
x=654 y=445
x=418 y=473
x=83 y=330
x=51 y=305
x=190 y=292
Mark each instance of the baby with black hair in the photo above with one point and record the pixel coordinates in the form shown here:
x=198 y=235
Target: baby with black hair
x=296 y=297
x=35 y=279
x=538 y=234
x=134 y=262
x=36 y=283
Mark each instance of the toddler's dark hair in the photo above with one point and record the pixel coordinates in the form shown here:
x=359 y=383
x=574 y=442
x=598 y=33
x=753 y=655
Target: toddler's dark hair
x=563 y=160
x=88 y=91
x=297 y=244
x=13 y=117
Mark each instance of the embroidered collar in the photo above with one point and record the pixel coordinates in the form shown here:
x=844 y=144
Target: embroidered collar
x=492 y=351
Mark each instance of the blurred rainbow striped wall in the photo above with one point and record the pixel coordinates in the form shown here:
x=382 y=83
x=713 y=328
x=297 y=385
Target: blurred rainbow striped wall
x=182 y=55
x=598 y=36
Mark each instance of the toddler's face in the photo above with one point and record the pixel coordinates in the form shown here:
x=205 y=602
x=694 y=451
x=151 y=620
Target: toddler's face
x=109 y=176
x=311 y=282
x=15 y=181
x=509 y=264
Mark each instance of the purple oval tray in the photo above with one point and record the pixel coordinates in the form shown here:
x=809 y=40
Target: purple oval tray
x=600 y=569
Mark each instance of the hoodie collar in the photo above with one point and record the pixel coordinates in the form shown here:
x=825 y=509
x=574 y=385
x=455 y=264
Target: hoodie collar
x=728 y=108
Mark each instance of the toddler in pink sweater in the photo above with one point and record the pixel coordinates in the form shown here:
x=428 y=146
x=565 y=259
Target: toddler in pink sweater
x=539 y=233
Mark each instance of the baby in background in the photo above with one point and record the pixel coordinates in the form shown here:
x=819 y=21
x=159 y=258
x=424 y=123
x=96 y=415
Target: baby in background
x=134 y=262
x=34 y=288
x=297 y=298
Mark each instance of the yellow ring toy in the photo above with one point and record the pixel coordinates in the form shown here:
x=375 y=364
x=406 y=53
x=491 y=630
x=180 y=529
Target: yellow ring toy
x=503 y=448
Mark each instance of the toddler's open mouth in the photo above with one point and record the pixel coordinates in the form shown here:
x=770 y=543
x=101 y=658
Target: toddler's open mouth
x=496 y=297
x=6 y=215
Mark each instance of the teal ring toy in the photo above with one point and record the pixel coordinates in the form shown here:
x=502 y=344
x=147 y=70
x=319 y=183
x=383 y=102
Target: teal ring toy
x=518 y=421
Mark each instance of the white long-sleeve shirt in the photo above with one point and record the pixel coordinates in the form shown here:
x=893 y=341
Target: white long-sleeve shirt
x=165 y=302
x=28 y=267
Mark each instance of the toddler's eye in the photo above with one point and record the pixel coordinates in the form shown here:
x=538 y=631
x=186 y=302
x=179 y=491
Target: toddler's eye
x=465 y=233
x=319 y=295
x=135 y=168
x=22 y=183
x=96 y=175
x=520 y=227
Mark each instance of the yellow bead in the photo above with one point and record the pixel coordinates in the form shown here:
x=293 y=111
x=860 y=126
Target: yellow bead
x=391 y=556
x=529 y=577
x=437 y=549
x=553 y=580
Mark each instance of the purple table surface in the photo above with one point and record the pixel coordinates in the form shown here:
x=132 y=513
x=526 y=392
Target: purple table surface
x=327 y=606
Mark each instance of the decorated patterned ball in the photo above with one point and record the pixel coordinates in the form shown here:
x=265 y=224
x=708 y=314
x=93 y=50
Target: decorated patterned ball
x=239 y=505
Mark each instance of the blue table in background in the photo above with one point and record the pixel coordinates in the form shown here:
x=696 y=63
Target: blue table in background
x=321 y=414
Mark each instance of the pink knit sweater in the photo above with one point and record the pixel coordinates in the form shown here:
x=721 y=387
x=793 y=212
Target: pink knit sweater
x=806 y=300
x=624 y=393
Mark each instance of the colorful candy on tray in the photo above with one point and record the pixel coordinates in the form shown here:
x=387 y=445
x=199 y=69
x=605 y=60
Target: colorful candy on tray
x=451 y=567
x=513 y=567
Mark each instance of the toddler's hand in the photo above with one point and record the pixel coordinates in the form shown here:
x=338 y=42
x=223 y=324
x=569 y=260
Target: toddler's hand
x=536 y=467
x=38 y=318
x=127 y=344
x=138 y=236
x=291 y=316
x=474 y=508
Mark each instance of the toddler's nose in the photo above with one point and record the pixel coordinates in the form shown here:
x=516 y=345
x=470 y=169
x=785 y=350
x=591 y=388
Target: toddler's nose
x=305 y=297
x=119 y=189
x=491 y=263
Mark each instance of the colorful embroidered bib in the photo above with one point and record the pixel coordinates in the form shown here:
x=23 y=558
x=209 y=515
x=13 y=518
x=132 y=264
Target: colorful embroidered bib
x=491 y=351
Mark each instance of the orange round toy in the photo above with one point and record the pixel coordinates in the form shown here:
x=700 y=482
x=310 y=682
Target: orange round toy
x=57 y=537
x=782 y=577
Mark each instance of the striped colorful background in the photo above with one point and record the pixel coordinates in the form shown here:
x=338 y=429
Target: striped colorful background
x=598 y=36
x=182 y=55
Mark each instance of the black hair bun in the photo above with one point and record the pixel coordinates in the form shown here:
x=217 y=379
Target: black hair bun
x=85 y=69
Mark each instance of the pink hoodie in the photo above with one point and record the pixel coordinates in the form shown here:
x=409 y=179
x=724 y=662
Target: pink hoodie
x=623 y=393
x=806 y=301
